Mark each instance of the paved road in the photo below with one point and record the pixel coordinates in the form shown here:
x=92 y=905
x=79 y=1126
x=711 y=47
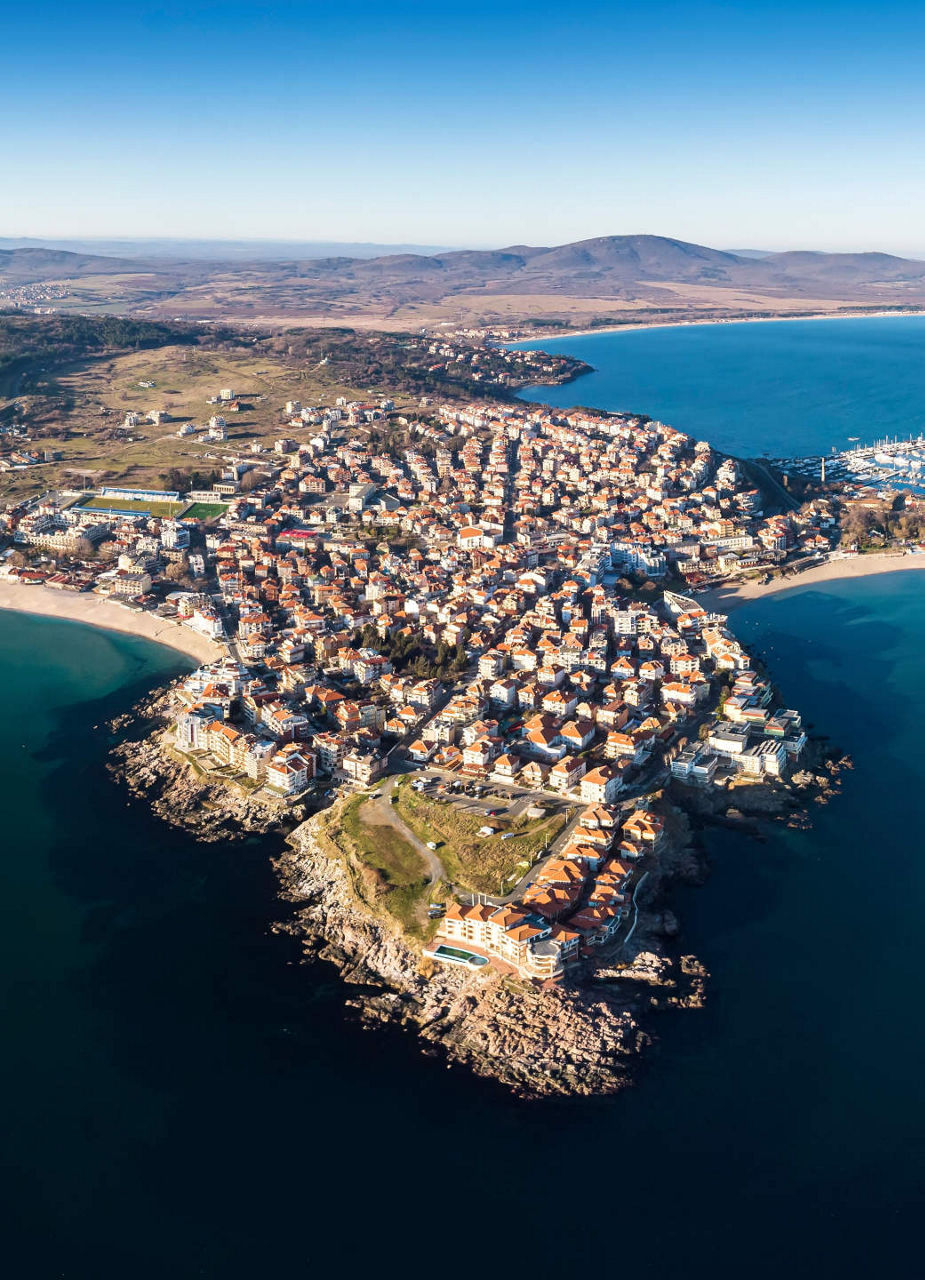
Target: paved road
x=378 y=811
x=554 y=850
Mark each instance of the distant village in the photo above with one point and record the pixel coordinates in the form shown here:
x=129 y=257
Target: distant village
x=507 y=598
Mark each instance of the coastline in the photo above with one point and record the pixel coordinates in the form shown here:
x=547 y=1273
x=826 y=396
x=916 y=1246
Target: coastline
x=733 y=595
x=95 y=611
x=716 y=320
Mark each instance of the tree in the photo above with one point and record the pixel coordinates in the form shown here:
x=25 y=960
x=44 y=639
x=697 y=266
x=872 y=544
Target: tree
x=177 y=570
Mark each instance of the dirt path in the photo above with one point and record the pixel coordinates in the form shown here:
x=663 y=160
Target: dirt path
x=379 y=812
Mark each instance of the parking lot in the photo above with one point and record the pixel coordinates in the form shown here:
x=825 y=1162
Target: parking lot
x=484 y=798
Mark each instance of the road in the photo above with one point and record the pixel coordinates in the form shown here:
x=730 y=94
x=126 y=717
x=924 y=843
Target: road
x=378 y=811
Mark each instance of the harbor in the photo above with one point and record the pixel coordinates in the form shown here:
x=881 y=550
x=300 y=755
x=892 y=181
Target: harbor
x=887 y=463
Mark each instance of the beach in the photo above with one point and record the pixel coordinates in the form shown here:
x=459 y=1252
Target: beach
x=732 y=595
x=695 y=321
x=95 y=611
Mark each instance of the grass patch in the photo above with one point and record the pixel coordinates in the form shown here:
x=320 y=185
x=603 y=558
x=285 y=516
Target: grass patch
x=482 y=865
x=392 y=874
x=205 y=511
x=131 y=506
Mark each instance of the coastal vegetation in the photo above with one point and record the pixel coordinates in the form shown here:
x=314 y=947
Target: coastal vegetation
x=479 y=863
x=871 y=525
x=387 y=873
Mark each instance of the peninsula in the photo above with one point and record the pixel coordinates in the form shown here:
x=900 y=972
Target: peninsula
x=454 y=650
x=467 y=655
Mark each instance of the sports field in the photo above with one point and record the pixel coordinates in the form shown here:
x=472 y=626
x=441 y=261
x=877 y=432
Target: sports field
x=132 y=506
x=205 y=511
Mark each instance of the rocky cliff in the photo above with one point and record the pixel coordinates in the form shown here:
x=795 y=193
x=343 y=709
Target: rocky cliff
x=577 y=1038
x=181 y=794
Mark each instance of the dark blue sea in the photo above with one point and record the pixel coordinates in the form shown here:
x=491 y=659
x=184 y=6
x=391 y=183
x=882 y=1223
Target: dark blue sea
x=785 y=388
x=181 y=1098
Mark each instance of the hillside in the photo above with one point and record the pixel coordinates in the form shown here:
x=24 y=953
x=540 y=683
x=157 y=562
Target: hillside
x=610 y=276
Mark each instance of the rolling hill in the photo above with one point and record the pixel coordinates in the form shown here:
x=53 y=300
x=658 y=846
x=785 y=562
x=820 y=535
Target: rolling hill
x=605 y=276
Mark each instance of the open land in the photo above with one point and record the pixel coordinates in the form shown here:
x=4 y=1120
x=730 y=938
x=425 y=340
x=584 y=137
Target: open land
x=80 y=410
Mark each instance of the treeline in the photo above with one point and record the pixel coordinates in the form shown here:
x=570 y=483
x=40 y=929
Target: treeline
x=183 y=480
x=386 y=362
x=875 y=526
x=26 y=339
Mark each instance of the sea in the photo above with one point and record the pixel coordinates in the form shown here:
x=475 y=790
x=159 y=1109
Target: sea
x=782 y=388
x=182 y=1098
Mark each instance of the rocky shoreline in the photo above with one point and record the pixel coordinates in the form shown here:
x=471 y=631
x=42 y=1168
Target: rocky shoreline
x=538 y=1041
x=206 y=806
x=581 y=1037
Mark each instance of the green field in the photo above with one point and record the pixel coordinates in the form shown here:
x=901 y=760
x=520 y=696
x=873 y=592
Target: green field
x=205 y=511
x=133 y=506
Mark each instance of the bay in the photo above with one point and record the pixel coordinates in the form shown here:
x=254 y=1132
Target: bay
x=783 y=388
x=181 y=1097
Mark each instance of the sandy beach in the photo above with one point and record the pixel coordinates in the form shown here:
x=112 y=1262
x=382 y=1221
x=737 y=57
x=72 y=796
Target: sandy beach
x=700 y=322
x=732 y=595
x=95 y=611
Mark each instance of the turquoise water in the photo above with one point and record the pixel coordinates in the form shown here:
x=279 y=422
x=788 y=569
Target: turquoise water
x=783 y=388
x=181 y=1098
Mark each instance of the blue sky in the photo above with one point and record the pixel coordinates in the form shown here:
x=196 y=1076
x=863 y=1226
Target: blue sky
x=772 y=125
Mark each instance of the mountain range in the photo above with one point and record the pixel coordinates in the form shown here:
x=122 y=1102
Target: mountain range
x=609 y=275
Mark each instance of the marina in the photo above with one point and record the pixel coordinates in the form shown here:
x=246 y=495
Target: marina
x=885 y=464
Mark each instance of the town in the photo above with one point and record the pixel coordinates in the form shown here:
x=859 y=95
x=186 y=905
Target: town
x=488 y=609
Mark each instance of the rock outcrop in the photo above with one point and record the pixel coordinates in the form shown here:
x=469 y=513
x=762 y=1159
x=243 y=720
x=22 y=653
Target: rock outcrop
x=210 y=808
x=581 y=1037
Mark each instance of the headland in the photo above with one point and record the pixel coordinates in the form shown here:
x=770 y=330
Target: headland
x=456 y=653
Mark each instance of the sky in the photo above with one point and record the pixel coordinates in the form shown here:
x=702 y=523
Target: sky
x=766 y=126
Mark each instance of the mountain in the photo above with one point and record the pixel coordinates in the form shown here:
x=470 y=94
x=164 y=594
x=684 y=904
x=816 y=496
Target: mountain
x=184 y=250
x=607 y=276
x=30 y=266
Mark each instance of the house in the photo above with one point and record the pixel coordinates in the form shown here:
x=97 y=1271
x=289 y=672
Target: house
x=534 y=774
x=560 y=703
x=503 y=694
x=478 y=756
x=643 y=828
x=193 y=730
x=694 y=763
x=506 y=768
x=329 y=748
x=577 y=735
x=545 y=743
x=290 y=770
x=565 y=774
x=421 y=752
x=361 y=767
x=600 y=786
x=283 y=723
